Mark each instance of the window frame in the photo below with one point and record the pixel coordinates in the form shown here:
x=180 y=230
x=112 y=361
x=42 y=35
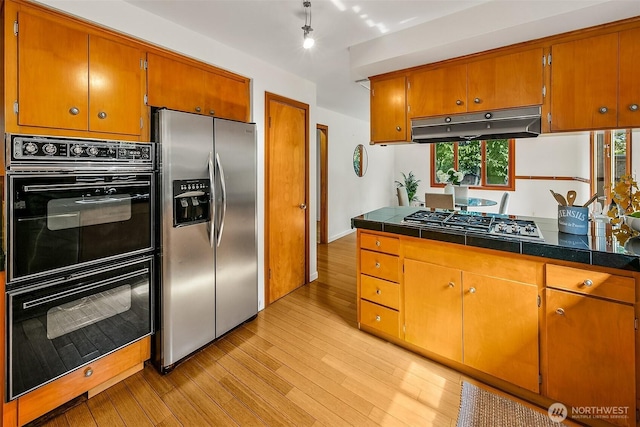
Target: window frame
x=483 y=180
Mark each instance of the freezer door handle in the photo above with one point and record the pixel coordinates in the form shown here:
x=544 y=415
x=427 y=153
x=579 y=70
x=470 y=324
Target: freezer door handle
x=223 y=187
x=212 y=209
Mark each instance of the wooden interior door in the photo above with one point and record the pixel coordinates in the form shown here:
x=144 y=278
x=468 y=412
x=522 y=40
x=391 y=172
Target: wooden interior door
x=115 y=89
x=433 y=308
x=286 y=196
x=323 y=178
x=53 y=74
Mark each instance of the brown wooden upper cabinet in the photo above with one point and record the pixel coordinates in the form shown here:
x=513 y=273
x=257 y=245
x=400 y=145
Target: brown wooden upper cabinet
x=184 y=87
x=68 y=79
x=512 y=80
x=389 y=109
x=595 y=82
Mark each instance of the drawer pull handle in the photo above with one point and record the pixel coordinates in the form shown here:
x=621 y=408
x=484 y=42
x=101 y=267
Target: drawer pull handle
x=378 y=291
x=472 y=290
x=378 y=243
x=88 y=372
x=451 y=284
x=588 y=283
x=378 y=318
x=560 y=311
x=377 y=265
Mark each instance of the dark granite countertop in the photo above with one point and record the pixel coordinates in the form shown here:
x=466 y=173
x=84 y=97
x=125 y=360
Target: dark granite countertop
x=599 y=247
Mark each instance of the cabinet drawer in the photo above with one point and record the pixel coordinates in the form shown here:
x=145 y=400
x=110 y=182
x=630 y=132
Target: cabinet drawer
x=380 y=291
x=379 y=265
x=373 y=242
x=379 y=317
x=595 y=283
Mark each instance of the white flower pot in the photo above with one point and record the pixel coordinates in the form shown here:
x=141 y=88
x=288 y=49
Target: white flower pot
x=448 y=188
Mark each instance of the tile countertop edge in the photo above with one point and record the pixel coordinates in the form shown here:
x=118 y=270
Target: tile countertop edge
x=389 y=220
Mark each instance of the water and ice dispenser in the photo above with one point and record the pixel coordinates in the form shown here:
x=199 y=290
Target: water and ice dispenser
x=191 y=198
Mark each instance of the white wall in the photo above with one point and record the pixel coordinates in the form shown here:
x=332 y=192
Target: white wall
x=559 y=155
x=348 y=194
x=128 y=19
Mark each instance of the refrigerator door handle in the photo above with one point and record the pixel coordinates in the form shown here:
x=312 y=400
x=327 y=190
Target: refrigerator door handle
x=212 y=199
x=223 y=187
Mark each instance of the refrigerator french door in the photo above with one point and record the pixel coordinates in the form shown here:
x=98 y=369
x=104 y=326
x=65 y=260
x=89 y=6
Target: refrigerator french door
x=208 y=254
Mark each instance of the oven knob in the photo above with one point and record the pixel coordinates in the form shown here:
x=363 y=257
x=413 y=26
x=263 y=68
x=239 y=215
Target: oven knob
x=30 y=148
x=76 y=150
x=93 y=151
x=49 y=149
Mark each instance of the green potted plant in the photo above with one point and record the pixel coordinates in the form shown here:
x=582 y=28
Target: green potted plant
x=411 y=184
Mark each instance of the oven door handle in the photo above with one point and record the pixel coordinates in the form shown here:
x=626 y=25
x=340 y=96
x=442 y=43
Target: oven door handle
x=80 y=289
x=63 y=187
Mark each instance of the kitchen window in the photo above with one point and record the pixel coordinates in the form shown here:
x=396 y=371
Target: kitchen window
x=611 y=158
x=487 y=164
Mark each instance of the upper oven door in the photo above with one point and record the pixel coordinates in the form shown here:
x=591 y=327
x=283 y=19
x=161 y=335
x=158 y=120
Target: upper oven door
x=62 y=222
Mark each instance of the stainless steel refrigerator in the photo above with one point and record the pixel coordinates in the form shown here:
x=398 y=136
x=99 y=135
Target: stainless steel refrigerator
x=208 y=239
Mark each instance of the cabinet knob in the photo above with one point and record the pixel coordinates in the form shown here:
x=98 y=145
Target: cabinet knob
x=198 y=109
x=212 y=112
x=472 y=290
x=458 y=102
x=74 y=111
x=102 y=115
x=378 y=291
x=88 y=372
x=588 y=283
x=398 y=128
x=451 y=284
x=633 y=107
x=378 y=243
x=477 y=100
x=377 y=265
x=560 y=311
x=378 y=318
x=603 y=110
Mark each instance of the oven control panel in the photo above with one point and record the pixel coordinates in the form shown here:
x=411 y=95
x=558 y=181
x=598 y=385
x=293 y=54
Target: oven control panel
x=31 y=148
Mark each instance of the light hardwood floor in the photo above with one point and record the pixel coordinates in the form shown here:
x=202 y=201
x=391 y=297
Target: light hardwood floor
x=302 y=362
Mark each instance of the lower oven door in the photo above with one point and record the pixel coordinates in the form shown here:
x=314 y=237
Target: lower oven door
x=58 y=326
x=62 y=222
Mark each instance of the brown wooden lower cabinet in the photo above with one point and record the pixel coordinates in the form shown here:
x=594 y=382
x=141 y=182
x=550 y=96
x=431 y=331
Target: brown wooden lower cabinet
x=94 y=377
x=546 y=330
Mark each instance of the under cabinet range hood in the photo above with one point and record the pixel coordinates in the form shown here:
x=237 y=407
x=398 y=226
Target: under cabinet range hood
x=500 y=124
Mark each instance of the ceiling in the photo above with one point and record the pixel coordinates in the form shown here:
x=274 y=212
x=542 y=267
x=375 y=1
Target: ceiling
x=358 y=39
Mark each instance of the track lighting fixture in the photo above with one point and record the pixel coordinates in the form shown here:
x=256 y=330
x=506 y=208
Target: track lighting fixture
x=308 y=41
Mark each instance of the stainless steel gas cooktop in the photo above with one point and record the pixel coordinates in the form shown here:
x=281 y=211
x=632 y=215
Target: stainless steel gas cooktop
x=478 y=223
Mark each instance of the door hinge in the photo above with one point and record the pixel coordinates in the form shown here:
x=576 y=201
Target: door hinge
x=408 y=108
x=549 y=117
x=373 y=92
x=15 y=107
x=544 y=91
x=544 y=61
x=549 y=60
x=635 y=323
x=141 y=123
x=146 y=99
x=408 y=85
x=143 y=64
x=539 y=301
x=15 y=28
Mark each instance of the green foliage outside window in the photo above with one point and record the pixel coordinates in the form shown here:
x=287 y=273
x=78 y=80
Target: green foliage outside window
x=469 y=160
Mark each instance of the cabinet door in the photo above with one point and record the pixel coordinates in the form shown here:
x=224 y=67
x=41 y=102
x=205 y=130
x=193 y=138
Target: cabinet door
x=437 y=92
x=388 y=110
x=590 y=351
x=506 y=81
x=53 y=75
x=433 y=308
x=175 y=85
x=226 y=97
x=584 y=83
x=115 y=91
x=500 y=323
x=629 y=91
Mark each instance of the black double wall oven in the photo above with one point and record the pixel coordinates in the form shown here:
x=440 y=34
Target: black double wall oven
x=80 y=245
